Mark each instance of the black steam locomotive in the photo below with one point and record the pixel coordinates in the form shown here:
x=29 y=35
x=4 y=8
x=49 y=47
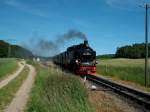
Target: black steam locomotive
x=80 y=59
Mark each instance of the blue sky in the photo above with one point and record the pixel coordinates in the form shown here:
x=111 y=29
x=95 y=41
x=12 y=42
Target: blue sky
x=108 y=24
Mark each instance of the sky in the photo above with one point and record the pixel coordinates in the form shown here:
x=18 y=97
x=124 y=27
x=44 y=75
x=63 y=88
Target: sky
x=108 y=24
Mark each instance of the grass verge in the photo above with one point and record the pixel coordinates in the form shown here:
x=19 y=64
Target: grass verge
x=124 y=69
x=8 y=92
x=7 y=66
x=53 y=92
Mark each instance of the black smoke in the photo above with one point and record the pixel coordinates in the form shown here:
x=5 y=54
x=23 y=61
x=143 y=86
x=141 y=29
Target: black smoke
x=42 y=47
x=74 y=34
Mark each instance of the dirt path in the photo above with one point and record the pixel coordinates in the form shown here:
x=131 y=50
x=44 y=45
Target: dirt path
x=12 y=76
x=21 y=97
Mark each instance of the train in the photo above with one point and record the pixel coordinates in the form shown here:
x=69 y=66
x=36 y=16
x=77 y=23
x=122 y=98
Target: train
x=80 y=59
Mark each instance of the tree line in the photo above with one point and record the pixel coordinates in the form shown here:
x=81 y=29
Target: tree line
x=132 y=51
x=129 y=51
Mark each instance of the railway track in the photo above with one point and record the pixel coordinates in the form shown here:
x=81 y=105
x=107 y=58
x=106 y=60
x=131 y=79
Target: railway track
x=137 y=96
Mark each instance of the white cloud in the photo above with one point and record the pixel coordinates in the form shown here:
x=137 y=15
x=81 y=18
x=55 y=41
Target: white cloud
x=24 y=7
x=38 y=9
x=124 y=4
x=15 y=4
x=12 y=3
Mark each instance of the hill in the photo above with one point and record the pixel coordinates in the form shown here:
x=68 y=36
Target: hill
x=15 y=51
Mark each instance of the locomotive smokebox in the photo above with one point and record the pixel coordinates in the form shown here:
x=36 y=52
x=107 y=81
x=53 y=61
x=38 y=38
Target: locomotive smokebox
x=86 y=43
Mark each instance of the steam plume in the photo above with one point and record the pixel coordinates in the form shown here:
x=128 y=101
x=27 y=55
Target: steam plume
x=43 y=47
x=74 y=34
x=71 y=34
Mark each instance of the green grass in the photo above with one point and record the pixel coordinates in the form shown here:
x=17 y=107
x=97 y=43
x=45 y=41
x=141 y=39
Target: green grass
x=8 y=92
x=124 y=69
x=54 y=92
x=7 y=66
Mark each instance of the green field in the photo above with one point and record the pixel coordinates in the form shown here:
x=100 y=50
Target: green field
x=124 y=69
x=54 y=92
x=7 y=66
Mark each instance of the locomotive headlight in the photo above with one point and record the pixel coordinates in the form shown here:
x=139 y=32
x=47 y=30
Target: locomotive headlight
x=77 y=61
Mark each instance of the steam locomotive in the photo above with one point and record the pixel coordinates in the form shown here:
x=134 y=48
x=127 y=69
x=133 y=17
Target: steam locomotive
x=80 y=59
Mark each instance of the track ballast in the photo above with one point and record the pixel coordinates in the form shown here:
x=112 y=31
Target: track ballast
x=137 y=96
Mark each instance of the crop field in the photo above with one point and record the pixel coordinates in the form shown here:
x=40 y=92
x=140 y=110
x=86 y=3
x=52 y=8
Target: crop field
x=7 y=66
x=124 y=69
x=54 y=92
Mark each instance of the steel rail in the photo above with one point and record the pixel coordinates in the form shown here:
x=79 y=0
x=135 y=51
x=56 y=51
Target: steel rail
x=141 y=98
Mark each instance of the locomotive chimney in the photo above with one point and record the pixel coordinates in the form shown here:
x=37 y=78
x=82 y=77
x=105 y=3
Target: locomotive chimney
x=86 y=43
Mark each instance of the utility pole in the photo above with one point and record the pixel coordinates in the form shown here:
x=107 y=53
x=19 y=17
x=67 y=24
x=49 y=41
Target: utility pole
x=146 y=43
